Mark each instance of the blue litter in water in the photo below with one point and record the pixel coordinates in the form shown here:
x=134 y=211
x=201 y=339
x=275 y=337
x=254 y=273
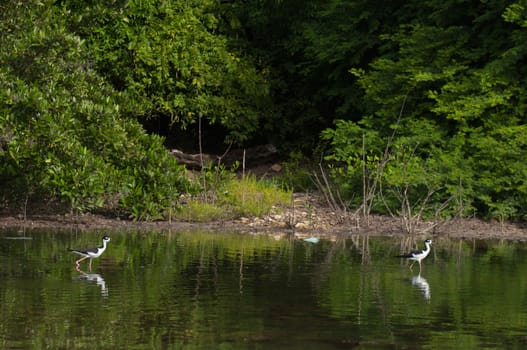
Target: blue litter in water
x=311 y=240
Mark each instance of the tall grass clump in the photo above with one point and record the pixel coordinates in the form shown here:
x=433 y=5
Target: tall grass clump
x=229 y=197
x=250 y=196
x=198 y=210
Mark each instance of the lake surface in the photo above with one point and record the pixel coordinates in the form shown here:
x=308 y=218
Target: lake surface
x=202 y=290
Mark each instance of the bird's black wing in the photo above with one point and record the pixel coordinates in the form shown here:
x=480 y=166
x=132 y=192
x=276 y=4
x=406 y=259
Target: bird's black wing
x=409 y=255
x=84 y=251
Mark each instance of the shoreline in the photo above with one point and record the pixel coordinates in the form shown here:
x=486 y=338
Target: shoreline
x=276 y=225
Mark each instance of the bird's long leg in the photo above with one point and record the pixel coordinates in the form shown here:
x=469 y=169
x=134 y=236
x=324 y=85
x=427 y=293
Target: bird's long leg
x=81 y=259
x=412 y=265
x=90 y=264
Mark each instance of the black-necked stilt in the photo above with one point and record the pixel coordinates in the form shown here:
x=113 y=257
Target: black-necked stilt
x=92 y=252
x=418 y=255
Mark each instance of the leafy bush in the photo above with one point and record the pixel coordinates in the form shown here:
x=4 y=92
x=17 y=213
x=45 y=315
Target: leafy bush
x=171 y=57
x=400 y=175
x=62 y=132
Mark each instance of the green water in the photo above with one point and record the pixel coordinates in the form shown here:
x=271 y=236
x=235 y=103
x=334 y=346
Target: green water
x=200 y=290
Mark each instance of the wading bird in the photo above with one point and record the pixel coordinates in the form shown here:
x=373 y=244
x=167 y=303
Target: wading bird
x=91 y=253
x=418 y=255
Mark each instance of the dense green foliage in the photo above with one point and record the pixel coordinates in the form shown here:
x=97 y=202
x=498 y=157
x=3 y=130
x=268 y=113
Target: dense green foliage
x=428 y=98
x=62 y=135
x=447 y=85
x=418 y=107
x=170 y=57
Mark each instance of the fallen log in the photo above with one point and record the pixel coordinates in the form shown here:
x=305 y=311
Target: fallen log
x=253 y=156
x=193 y=161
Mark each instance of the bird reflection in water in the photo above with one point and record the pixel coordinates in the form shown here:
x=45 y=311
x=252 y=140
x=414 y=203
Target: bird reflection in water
x=422 y=284
x=93 y=277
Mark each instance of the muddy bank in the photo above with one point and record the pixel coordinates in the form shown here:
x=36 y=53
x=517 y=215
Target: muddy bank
x=306 y=217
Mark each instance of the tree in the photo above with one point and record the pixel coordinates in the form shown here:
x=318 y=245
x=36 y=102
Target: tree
x=62 y=132
x=454 y=71
x=309 y=47
x=169 y=58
